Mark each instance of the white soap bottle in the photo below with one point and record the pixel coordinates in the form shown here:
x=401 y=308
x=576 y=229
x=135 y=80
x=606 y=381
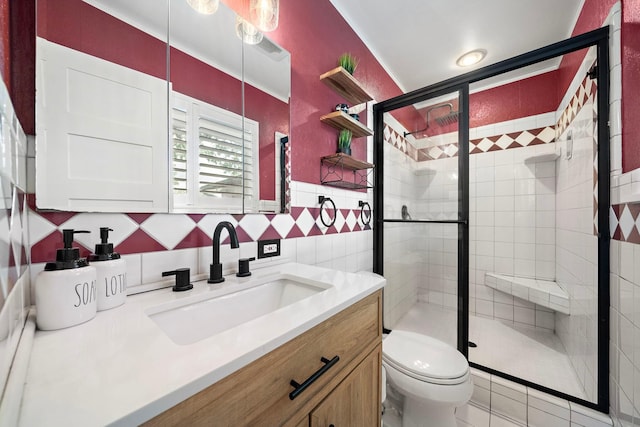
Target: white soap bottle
x=111 y=272
x=66 y=289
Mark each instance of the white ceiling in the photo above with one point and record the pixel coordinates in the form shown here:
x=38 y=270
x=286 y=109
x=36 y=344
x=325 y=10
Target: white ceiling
x=418 y=41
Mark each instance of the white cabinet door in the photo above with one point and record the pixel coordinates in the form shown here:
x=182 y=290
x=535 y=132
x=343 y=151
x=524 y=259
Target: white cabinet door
x=107 y=149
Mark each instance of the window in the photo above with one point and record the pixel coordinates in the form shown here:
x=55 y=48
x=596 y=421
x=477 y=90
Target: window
x=210 y=145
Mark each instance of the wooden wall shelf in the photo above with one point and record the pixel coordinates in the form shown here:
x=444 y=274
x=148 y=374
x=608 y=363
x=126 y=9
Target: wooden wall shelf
x=347 y=161
x=341 y=120
x=333 y=169
x=345 y=85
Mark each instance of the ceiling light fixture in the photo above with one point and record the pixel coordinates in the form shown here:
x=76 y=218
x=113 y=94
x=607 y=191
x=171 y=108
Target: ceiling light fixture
x=206 y=7
x=264 y=14
x=471 y=58
x=247 y=32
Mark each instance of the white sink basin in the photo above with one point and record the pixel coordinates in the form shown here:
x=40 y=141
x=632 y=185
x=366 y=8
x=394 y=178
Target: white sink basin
x=194 y=321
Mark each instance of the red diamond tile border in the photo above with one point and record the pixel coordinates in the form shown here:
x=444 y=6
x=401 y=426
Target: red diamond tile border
x=540 y=136
x=625 y=231
x=140 y=241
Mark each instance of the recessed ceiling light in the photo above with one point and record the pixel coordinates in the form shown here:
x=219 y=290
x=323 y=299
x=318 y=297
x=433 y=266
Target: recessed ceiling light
x=471 y=58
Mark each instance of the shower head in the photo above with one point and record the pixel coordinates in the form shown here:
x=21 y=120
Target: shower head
x=450 y=118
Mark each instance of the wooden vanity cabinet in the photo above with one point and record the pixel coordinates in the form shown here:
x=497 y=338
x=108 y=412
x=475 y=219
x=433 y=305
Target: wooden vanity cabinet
x=355 y=402
x=346 y=394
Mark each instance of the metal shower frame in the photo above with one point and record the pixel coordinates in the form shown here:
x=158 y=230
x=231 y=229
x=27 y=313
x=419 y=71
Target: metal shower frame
x=598 y=38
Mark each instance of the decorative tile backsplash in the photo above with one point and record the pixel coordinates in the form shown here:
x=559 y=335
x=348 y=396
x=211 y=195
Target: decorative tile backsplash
x=140 y=233
x=625 y=222
x=518 y=139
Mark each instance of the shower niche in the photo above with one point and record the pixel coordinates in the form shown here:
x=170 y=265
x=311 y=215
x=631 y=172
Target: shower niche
x=505 y=172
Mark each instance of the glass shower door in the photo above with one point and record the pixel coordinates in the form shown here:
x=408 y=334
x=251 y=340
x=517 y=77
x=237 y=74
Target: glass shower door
x=422 y=217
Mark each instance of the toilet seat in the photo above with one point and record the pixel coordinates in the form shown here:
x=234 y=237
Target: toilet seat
x=424 y=358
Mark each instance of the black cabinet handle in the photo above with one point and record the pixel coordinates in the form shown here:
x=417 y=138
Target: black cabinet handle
x=299 y=388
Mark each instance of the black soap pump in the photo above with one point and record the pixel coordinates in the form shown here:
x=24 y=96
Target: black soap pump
x=67 y=257
x=66 y=289
x=111 y=273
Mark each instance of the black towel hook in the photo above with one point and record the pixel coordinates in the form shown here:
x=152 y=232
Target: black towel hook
x=322 y=200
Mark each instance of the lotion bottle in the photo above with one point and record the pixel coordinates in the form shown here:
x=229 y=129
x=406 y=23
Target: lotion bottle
x=66 y=289
x=111 y=273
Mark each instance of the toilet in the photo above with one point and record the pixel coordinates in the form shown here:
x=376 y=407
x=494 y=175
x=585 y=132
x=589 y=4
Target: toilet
x=432 y=376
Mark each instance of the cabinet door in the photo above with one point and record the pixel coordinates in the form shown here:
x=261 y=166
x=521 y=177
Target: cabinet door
x=356 y=401
x=102 y=145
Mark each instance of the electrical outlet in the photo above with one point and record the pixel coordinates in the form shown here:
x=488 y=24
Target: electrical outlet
x=268 y=248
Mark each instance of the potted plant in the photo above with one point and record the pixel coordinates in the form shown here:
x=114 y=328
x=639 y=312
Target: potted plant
x=348 y=62
x=344 y=142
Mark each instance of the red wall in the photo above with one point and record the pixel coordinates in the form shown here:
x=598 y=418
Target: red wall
x=593 y=14
x=591 y=17
x=82 y=27
x=5 y=63
x=528 y=97
x=313 y=32
x=17 y=58
x=316 y=35
x=523 y=98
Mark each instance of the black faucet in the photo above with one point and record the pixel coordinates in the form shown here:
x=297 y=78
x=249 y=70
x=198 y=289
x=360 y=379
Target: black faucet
x=215 y=269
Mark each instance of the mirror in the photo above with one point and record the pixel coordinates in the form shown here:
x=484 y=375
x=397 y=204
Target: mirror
x=138 y=80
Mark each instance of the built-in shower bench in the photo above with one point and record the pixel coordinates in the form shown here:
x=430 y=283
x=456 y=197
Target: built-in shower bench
x=542 y=292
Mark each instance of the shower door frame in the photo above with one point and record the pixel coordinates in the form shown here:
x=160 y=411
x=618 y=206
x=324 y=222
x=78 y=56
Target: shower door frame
x=598 y=38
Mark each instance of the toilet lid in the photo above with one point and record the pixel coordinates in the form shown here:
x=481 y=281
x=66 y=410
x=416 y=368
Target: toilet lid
x=423 y=357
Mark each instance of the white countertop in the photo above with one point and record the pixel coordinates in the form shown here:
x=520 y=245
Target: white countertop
x=121 y=369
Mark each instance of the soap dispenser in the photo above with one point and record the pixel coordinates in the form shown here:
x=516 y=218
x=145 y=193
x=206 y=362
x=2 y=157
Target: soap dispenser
x=111 y=272
x=66 y=289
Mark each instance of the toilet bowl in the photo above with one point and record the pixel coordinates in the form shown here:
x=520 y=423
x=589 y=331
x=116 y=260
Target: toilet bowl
x=432 y=376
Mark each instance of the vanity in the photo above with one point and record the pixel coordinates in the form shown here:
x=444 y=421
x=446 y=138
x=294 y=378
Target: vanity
x=313 y=359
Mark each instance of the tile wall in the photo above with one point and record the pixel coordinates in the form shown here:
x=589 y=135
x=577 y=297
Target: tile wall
x=401 y=249
x=523 y=406
x=14 y=229
x=153 y=243
x=512 y=205
x=576 y=252
x=512 y=225
x=624 y=370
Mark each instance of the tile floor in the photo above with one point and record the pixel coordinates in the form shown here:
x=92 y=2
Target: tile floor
x=497 y=402
x=550 y=365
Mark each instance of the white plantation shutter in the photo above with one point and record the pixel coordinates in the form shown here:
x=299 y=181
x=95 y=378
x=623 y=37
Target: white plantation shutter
x=179 y=162
x=209 y=151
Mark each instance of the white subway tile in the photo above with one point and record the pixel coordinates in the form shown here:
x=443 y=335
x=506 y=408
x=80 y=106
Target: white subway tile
x=549 y=404
x=538 y=418
x=154 y=263
x=587 y=417
x=134 y=269
x=627 y=261
x=508 y=407
x=473 y=416
x=545 y=320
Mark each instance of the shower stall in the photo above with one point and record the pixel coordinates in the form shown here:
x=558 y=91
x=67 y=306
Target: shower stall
x=491 y=210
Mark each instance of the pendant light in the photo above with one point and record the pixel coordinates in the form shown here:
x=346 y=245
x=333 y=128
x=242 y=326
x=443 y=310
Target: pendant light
x=247 y=32
x=206 y=7
x=264 y=14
